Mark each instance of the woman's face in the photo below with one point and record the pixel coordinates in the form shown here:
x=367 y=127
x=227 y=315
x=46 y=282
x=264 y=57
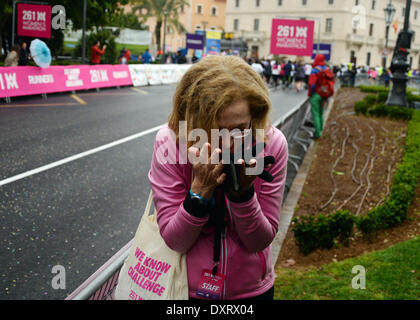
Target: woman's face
x=235 y=116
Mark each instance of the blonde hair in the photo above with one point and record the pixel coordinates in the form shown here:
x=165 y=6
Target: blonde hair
x=213 y=84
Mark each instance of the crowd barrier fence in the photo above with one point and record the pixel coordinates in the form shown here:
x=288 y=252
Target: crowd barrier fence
x=24 y=81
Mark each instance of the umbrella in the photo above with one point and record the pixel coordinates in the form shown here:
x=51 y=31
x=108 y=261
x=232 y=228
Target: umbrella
x=40 y=53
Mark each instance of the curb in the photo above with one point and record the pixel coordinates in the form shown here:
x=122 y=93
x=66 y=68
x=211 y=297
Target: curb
x=288 y=208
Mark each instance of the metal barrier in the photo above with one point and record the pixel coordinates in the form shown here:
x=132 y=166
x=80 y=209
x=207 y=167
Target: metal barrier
x=101 y=285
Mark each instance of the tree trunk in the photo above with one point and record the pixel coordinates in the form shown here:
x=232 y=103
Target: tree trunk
x=157 y=34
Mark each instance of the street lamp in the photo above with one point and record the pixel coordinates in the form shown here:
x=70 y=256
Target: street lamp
x=389 y=17
x=399 y=64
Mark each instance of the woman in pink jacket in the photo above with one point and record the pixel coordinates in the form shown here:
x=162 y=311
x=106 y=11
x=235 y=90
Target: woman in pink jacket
x=222 y=215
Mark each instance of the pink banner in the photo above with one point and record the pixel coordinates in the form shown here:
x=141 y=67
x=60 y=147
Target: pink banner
x=33 y=20
x=292 y=37
x=20 y=81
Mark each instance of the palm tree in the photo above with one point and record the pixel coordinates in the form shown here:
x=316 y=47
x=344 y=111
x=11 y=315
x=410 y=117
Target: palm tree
x=161 y=9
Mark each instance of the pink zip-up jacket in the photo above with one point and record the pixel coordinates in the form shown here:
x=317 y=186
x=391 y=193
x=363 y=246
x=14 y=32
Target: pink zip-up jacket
x=246 y=257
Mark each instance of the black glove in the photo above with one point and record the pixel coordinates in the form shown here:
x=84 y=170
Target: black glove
x=233 y=171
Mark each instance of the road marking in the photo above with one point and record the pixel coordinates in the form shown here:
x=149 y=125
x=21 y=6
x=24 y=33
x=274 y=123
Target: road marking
x=38 y=105
x=139 y=90
x=78 y=156
x=78 y=99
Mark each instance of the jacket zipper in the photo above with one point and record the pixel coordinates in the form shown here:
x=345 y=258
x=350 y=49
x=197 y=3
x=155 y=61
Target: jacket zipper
x=224 y=261
x=224 y=249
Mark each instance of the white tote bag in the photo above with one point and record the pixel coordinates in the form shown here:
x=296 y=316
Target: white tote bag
x=152 y=271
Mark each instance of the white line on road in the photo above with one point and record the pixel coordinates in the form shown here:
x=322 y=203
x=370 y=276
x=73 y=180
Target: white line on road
x=78 y=156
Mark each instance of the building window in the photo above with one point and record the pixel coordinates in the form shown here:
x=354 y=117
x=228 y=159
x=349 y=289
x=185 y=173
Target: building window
x=403 y=12
x=304 y=2
x=416 y=13
x=352 y=55
x=330 y=2
x=198 y=27
x=328 y=25
x=373 y=5
x=368 y=59
x=280 y=3
x=257 y=3
x=199 y=9
x=213 y=28
x=356 y=2
x=235 y=24
x=371 y=30
x=256 y=24
x=237 y=3
x=214 y=11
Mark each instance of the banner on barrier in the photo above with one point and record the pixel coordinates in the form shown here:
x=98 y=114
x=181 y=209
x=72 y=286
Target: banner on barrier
x=143 y=75
x=20 y=81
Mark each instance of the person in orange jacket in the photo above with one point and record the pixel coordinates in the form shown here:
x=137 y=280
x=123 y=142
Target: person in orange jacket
x=127 y=55
x=96 y=54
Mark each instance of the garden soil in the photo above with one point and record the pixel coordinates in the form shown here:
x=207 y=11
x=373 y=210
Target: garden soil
x=353 y=166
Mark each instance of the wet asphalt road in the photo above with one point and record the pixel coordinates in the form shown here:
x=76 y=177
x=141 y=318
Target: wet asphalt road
x=80 y=213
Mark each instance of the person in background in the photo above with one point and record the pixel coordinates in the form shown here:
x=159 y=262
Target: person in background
x=387 y=77
x=282 y=72
x=123 y=59
x=96 y=53
x=308 y=69
x=256 y=65
x=127 y=55
x=299 y=76
x=267 y=71
x=351 y=67
x=12 y=59
x=287 y=73
x=146 y=57
x=315 y=99
x=24 y=55
x=276 y=73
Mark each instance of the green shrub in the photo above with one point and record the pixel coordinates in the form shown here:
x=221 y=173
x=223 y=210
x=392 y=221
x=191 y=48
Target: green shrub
x=321 y=231
x=370 y=99
x=361 y=107
x=382 y=97
x=373 y=89
x=412 y=97
x=404 y=184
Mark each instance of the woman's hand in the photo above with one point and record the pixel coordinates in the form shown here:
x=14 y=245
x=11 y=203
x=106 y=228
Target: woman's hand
x=246 y=180
x=207 y=170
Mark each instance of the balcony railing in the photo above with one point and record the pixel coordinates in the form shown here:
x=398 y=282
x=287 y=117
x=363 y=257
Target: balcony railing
x=355 y=38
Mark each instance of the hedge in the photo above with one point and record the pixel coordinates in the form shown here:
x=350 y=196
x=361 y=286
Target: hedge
x=324 y=231
x=403 y=190
x=374 y=105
